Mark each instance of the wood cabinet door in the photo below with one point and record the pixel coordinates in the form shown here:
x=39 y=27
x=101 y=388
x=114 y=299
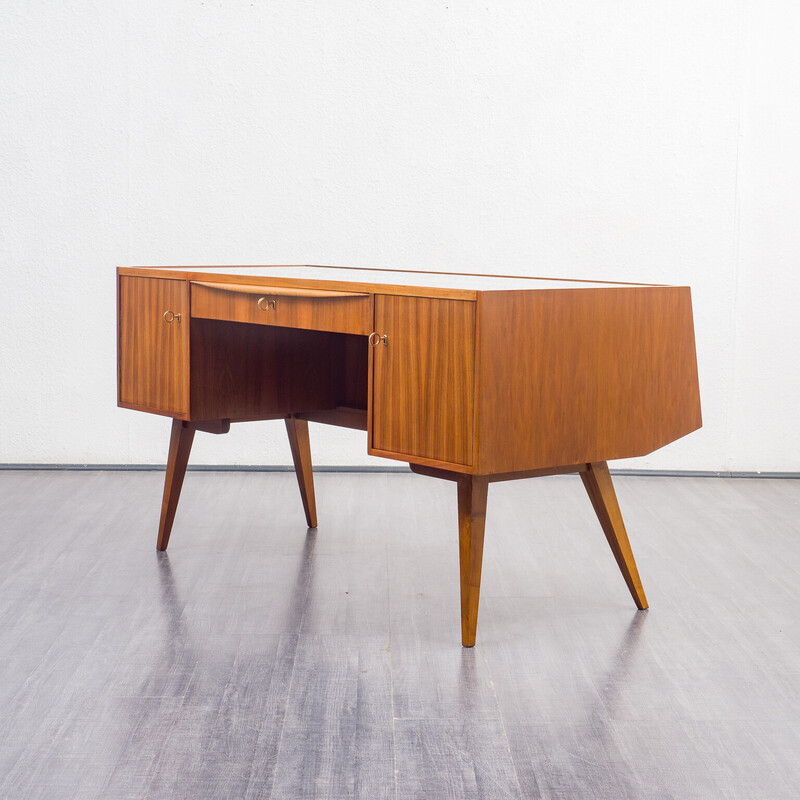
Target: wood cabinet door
x=154 y=352
x=423 y=379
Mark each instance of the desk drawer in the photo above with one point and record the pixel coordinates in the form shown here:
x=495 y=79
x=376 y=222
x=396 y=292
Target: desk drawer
x=288 y=307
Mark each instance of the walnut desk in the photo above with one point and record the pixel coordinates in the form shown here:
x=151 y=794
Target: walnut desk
x=470 y=378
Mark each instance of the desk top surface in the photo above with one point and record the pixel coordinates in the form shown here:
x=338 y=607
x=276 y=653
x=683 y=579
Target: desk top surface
x=410 y=278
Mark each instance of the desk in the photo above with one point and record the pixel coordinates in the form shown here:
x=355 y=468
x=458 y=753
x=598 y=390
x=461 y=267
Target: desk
x=467 y=378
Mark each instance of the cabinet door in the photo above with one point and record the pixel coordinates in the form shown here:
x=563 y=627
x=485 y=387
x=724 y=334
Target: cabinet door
x=423 y=378
x=154 y=352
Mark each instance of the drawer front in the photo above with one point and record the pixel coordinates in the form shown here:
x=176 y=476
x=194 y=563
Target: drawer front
x=309 y=309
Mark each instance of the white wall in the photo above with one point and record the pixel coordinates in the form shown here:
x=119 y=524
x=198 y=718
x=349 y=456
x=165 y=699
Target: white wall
x=654 y=142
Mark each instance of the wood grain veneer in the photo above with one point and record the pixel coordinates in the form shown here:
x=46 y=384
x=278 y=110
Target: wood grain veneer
x=307 y=309
x=153 y=355
x=423 y=378
x=570 y=376
x=244 y=371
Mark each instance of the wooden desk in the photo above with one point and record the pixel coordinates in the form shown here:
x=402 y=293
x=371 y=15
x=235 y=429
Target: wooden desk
x=473 y=379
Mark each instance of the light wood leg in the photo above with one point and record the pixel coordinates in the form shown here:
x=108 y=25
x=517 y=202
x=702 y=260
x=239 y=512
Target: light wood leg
x=301 y=455
x=180 y=445
x=600 y=489
x=472 y=492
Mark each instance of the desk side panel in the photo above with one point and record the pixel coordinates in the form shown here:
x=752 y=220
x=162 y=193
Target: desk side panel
x=573 y=376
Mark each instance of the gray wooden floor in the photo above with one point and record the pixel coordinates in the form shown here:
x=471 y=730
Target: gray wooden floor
x=256 y=660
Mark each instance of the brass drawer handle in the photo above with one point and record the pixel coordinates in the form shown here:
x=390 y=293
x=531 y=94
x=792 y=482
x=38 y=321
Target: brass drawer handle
x=265 y=304
x=171 y=316
x=379 y=339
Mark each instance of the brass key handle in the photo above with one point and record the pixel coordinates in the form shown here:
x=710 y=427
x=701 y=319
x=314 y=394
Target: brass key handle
x=171 y=316
x=265 y=304
x=378 y=339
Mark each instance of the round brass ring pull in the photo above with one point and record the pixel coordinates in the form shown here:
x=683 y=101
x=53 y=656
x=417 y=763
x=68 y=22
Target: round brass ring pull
x=170 y=316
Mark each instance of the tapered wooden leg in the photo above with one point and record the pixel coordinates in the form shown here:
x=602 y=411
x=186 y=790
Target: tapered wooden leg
x=301 y=455
x=472 y=493
x=600 y=489
x=180 y=445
